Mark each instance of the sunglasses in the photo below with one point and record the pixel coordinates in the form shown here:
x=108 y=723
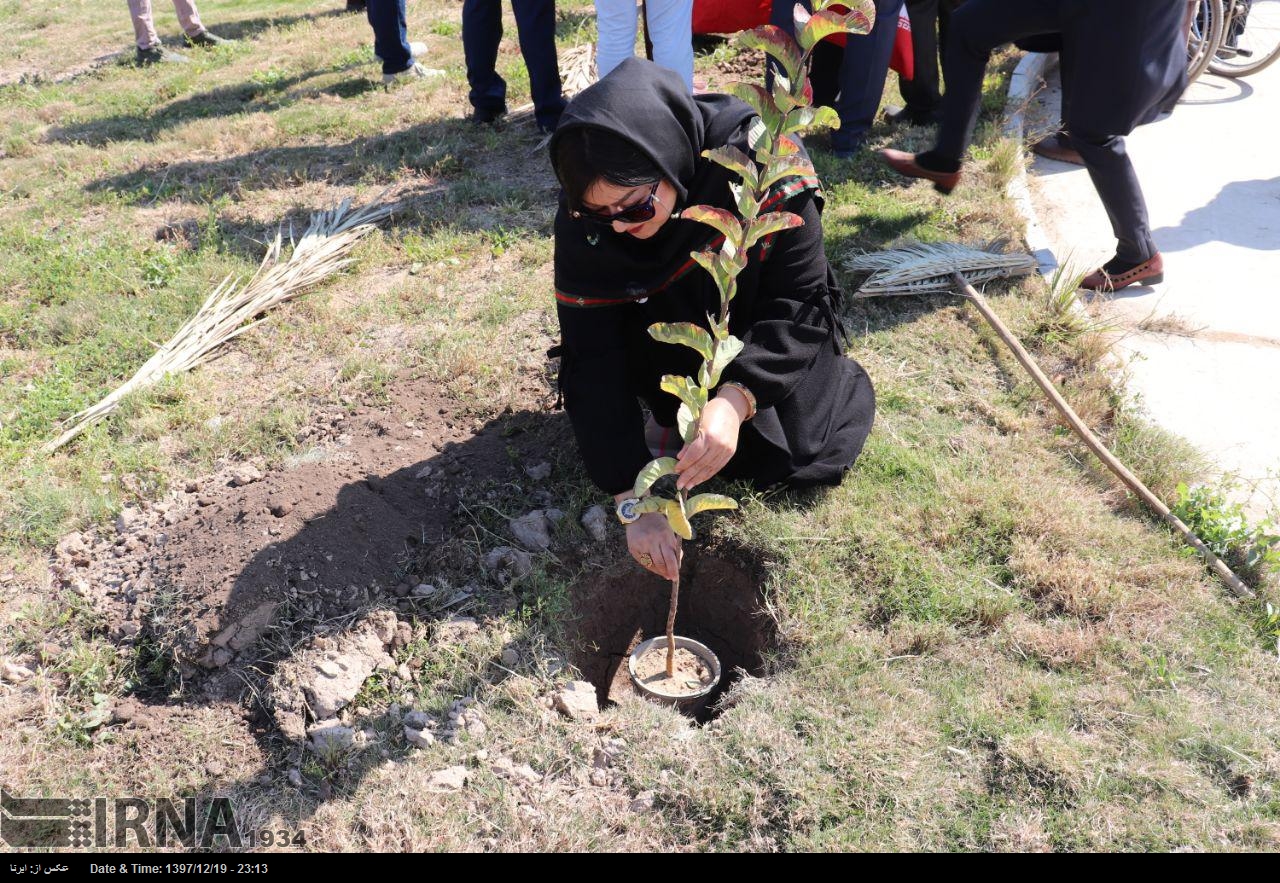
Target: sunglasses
x=636 y=213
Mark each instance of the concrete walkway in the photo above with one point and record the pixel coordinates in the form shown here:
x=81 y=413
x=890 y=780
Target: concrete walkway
x=1203 y=348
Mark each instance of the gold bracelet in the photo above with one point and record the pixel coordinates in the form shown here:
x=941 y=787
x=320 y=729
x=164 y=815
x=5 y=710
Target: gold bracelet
x=746 y=394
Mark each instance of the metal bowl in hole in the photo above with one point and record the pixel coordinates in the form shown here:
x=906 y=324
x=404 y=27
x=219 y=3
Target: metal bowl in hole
x=689 y=702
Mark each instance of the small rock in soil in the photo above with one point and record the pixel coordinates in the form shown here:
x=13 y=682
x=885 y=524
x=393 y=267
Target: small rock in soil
x=423 y=590
x=599 y=777
x=280 y=510
x=127 y=519
x=417 y=720
x=295 y=777
x=533 y=531
x=595 y=522
x=643 y=802
x=419 y=738
x=330 y=735
x=538 y=471
x=510 y=656
x=508 y=563
x=577 y=701
x=243 y=475
x=15 y=674
x=451 y=779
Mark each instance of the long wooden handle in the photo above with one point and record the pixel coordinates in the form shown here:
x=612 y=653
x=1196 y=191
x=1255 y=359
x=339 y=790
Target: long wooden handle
x=1098 y=448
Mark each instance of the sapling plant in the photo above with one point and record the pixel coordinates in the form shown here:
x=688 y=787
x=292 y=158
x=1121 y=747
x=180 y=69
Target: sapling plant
x=783 y=108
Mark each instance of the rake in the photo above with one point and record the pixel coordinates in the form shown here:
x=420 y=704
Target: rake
x=945 y=268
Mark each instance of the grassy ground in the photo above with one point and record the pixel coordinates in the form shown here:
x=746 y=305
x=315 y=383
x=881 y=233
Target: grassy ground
x=984 y=645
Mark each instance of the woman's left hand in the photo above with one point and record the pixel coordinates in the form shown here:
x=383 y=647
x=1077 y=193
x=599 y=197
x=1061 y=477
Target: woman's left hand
x=716 y=442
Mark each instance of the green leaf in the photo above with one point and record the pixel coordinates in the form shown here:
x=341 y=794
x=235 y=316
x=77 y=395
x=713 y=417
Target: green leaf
x=802 y=117
x=685 y=333
x=827 y=23
x=708 y=502
x=762 y=103
x=775 y=42
x=771 y=223
x=711 y=262
x=684 y=388
x=735 y=160
x=654 y=470
x=863 y=10
x=721 y=219
x=786 y=167
x=726 y=351
x=687 y=423
x=732 y=262
x=758 y=137
x=678 y=520
x=785 y=147
x=745 y=199
x=800 y=16
x=782 y=98
x=650 y=504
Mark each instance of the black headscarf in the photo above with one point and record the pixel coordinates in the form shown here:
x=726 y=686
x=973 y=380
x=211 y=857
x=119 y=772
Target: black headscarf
x=649 y=106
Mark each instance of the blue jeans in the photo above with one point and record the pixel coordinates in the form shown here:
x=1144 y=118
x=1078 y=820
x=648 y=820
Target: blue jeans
x=536 y=25
x=390 y=34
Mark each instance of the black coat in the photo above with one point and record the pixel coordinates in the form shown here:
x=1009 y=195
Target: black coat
x=1128 y=61
x=815 y=405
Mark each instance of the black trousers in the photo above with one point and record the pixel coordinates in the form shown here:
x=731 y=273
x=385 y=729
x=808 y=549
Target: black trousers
x=980 y=26
x=536 y=25
x=861 y=75
x=930 y=20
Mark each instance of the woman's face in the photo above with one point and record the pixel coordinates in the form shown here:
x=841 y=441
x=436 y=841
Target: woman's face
x=607 y=198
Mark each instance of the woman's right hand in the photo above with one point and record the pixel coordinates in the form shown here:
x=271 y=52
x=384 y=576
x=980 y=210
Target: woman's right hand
x=655 y=545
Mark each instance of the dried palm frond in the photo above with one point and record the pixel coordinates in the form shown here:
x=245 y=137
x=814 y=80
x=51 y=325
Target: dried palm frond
x=926 y=268
x=232 y=308
x=577 y=72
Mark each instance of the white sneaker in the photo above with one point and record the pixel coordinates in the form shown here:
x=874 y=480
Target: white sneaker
x=416 y=51
x=413 y=72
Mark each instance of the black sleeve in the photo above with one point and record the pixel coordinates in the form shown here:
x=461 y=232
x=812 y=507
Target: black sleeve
x=788 y=327
x=602 y=406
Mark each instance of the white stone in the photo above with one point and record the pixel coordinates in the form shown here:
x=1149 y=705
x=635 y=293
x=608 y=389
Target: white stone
x=577 y=701
x=595 y=522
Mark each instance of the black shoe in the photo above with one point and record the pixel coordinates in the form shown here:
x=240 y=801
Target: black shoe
x=206 y=39
x=908 y=116
x=158 y=55
x=487 y=116
x=355 y=5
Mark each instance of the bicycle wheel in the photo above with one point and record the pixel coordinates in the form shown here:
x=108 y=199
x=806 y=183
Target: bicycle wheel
x=1204 y=36
x=1250 y=38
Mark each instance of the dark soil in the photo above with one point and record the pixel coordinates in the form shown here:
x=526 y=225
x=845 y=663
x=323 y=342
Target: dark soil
x=721 y=605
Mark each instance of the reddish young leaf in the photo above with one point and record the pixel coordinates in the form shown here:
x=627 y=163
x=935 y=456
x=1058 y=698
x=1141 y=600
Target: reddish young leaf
x=775 y=42
x=721 y=219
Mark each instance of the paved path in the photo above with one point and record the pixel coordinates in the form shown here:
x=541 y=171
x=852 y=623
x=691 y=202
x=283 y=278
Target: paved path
x=1211 y=174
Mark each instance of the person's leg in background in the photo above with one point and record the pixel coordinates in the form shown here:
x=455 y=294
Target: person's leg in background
x=481 y=34
x=616 y=23
x=536 y=25
x=188 y=18
x=923 y=92
x=671 y=30
x=390 y=34
x=862 y=76
x=1137 y=259
x=144 y=27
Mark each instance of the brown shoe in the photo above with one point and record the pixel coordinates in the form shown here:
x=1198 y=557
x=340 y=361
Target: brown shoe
x=1057 y=147
x=905 y=164
x=1149 y=272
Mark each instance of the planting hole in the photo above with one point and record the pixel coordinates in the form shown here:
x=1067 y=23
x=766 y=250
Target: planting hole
x=721 y=605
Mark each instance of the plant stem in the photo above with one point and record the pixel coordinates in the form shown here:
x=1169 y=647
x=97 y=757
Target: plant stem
x=671 y=613
x=671 y=627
